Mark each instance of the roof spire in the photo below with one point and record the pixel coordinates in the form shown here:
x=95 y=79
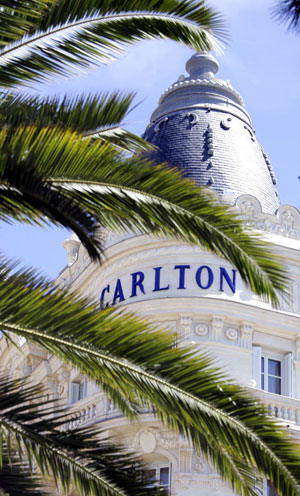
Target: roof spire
x=202 y=65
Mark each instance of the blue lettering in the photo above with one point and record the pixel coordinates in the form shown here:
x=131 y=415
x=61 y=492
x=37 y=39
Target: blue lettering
x=137 y=282
x=231 y=283
x=157 y=280
x=118 y=292
x=105 y=290
x=210 y=277
x=182 y=269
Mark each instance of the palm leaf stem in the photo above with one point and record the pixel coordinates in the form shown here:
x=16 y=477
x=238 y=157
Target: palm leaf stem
x=141 y=379
x=241 y=258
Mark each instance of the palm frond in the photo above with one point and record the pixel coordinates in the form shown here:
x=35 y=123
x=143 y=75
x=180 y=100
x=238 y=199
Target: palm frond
x=18 y=18
x=189 y=394
x=71 y=456
x=123 y=139
x=288 y=12
x=95 y=177
x=16 y=479
x=83 y=114
x=26 y=197
x=96 y=38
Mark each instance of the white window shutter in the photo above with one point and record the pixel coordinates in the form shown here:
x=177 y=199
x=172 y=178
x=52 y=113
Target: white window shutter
x=74 y=392
x=287 y=375
x=256 y=365
x=81 y=390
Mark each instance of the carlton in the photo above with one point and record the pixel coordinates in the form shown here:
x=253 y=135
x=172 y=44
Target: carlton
x=204 y=277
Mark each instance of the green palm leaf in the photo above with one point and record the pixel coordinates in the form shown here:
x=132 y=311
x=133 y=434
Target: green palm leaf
x=83 y=114
x=18 y=18
x=96 y=177
x=70 y=456
x=124 y=140
x=15 y=479
x=189 y=395
x=101 y=34
x=26 y=197
x=98 y=116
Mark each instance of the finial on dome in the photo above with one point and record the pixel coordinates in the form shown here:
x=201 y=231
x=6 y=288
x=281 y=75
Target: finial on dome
x=202 y=65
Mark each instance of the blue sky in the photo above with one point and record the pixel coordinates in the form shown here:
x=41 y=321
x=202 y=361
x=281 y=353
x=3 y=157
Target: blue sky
x=263 y=64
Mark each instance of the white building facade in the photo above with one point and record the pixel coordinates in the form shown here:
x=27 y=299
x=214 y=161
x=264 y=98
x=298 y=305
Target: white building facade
x=202 y=127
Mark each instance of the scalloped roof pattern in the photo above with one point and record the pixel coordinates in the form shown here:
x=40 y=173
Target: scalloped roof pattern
x=202 y=127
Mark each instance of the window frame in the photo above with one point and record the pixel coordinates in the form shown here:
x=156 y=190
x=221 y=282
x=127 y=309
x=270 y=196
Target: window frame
x=158 y=467
x=266 y=356
x=287 y=369
x=81 y=383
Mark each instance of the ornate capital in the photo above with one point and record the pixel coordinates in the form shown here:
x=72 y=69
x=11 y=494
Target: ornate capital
x=246 y=334
x=186 y=325
x=216 y=328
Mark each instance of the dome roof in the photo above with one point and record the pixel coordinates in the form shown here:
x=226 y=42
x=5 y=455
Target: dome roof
x=202 y=127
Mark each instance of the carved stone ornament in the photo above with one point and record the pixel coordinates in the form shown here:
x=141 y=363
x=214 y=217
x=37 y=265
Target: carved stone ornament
x=246 y=335
x=201 y=329
x=184 y=482
x=286 y=222
x=231 y=334
x=147 y=442
x=216 y=328
x=149 y=438
x=186 y=325
x=199 y=465
x=193 y=118
x=226 y=123
x=157 y=127
x=71 y=245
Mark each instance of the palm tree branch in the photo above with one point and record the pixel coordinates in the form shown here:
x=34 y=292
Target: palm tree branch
x=190 y=389
x=126 y=373
x=76 y=455
x=93 y=40
x=195 y=11
x=123 y=139
x=29 y=199
x=259 y=271
x=18 y=18
x=288 y=11
x=177 y=208
x=83 y=114
x=15 y=479
x=70 y=455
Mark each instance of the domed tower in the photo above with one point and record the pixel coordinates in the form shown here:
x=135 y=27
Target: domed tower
x=202 y=127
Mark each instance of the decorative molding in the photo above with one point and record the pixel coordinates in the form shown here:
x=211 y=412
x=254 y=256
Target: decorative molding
x=209 y=140
x=185 y=325
x=226 y=123
x=251 y=132
x=71 y=245
x=246 y=335
x=185 y=460
x=152 y=437
x=231 y=334
x=216 y=328
x=286 y=222
x=157 y=126
x=184 y=482
x=199 y=464
x=216 y=83
x=193 y=118
x=160 y=252
x=201 y=329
